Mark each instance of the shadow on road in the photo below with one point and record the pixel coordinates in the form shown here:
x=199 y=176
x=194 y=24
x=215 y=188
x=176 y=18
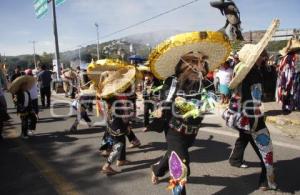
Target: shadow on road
x=273 y=112
x=46 y=138
x=92 y=130
x=206 y=151
x=210 y=151
x=50 y=119
x=287 y=174
x=210 y=125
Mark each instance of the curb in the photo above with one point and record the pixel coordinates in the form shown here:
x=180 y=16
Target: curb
x=282 y=121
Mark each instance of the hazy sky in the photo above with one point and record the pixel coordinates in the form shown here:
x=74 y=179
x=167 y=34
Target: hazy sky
x=76 y=20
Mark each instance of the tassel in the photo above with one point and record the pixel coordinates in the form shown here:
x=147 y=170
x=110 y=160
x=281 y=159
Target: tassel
x=99 y=108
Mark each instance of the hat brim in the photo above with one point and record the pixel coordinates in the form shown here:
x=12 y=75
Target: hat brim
x=119 y=76
x=88 y=92
x=166 y=55
x=246 y=64
x=117 y=82
x=16 y=84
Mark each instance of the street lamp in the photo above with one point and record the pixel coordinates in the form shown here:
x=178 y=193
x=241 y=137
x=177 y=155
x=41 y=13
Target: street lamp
x=79 y=53
x=97 y=26
x=34 y=59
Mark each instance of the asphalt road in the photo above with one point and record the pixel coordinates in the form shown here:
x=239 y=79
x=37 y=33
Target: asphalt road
x=55 y=162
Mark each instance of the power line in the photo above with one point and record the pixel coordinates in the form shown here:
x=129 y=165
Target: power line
x=151 y=18
x=143 y=21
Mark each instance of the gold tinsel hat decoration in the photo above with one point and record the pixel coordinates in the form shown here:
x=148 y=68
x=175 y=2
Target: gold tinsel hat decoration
x=166 y=55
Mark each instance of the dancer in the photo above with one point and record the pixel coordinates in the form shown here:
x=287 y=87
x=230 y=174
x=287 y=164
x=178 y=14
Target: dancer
x=196 y=54
x=287 y=88
x=244 y=112
x=150 y=95
x=21 y=86
x=121 y=110
x=81 y=106
x=114 y=80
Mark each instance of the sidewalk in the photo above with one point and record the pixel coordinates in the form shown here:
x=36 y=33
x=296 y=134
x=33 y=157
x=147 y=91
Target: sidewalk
x=274 y=115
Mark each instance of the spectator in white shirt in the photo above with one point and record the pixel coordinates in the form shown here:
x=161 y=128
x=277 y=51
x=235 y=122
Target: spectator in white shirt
x=225 y=75
x=33 y=94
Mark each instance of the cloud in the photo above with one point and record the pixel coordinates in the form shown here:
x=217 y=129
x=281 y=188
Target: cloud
x=22 y=33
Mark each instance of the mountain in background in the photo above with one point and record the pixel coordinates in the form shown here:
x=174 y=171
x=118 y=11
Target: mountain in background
x=151 y=39
x=122 y=48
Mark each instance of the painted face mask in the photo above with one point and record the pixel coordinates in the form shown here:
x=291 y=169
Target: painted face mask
x=194 y=69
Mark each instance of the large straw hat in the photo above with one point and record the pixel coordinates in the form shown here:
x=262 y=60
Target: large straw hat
x=292 y=45
x=69 y=74
x=16 y=84
x=111 y=76
x=249 y=54
x=167 y=54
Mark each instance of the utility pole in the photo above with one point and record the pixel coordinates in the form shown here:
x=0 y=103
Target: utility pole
x=97 y=26
x=34 y=59
x=56 y=39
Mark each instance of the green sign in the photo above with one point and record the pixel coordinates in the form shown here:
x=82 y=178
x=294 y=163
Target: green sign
x=40 y=8
x=59 y=2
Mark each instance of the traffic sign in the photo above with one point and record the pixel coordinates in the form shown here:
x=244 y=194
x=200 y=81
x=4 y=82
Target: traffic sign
x=59 y=2
x=40 y=8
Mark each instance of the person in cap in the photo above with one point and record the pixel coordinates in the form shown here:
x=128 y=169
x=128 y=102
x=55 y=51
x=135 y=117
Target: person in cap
x=287 y=76
x=183 y=61
x=243 y=112
x=20 y=87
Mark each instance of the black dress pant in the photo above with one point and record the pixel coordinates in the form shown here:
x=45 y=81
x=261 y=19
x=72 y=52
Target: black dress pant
x=84 y=115
x=237 y=155
x=35 y=106
x=45 y=92
x=179 y=143
x=147 y=108
x=131 y=136
x=28 y=122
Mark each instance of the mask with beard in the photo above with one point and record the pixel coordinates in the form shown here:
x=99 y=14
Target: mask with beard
x=190 y=81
